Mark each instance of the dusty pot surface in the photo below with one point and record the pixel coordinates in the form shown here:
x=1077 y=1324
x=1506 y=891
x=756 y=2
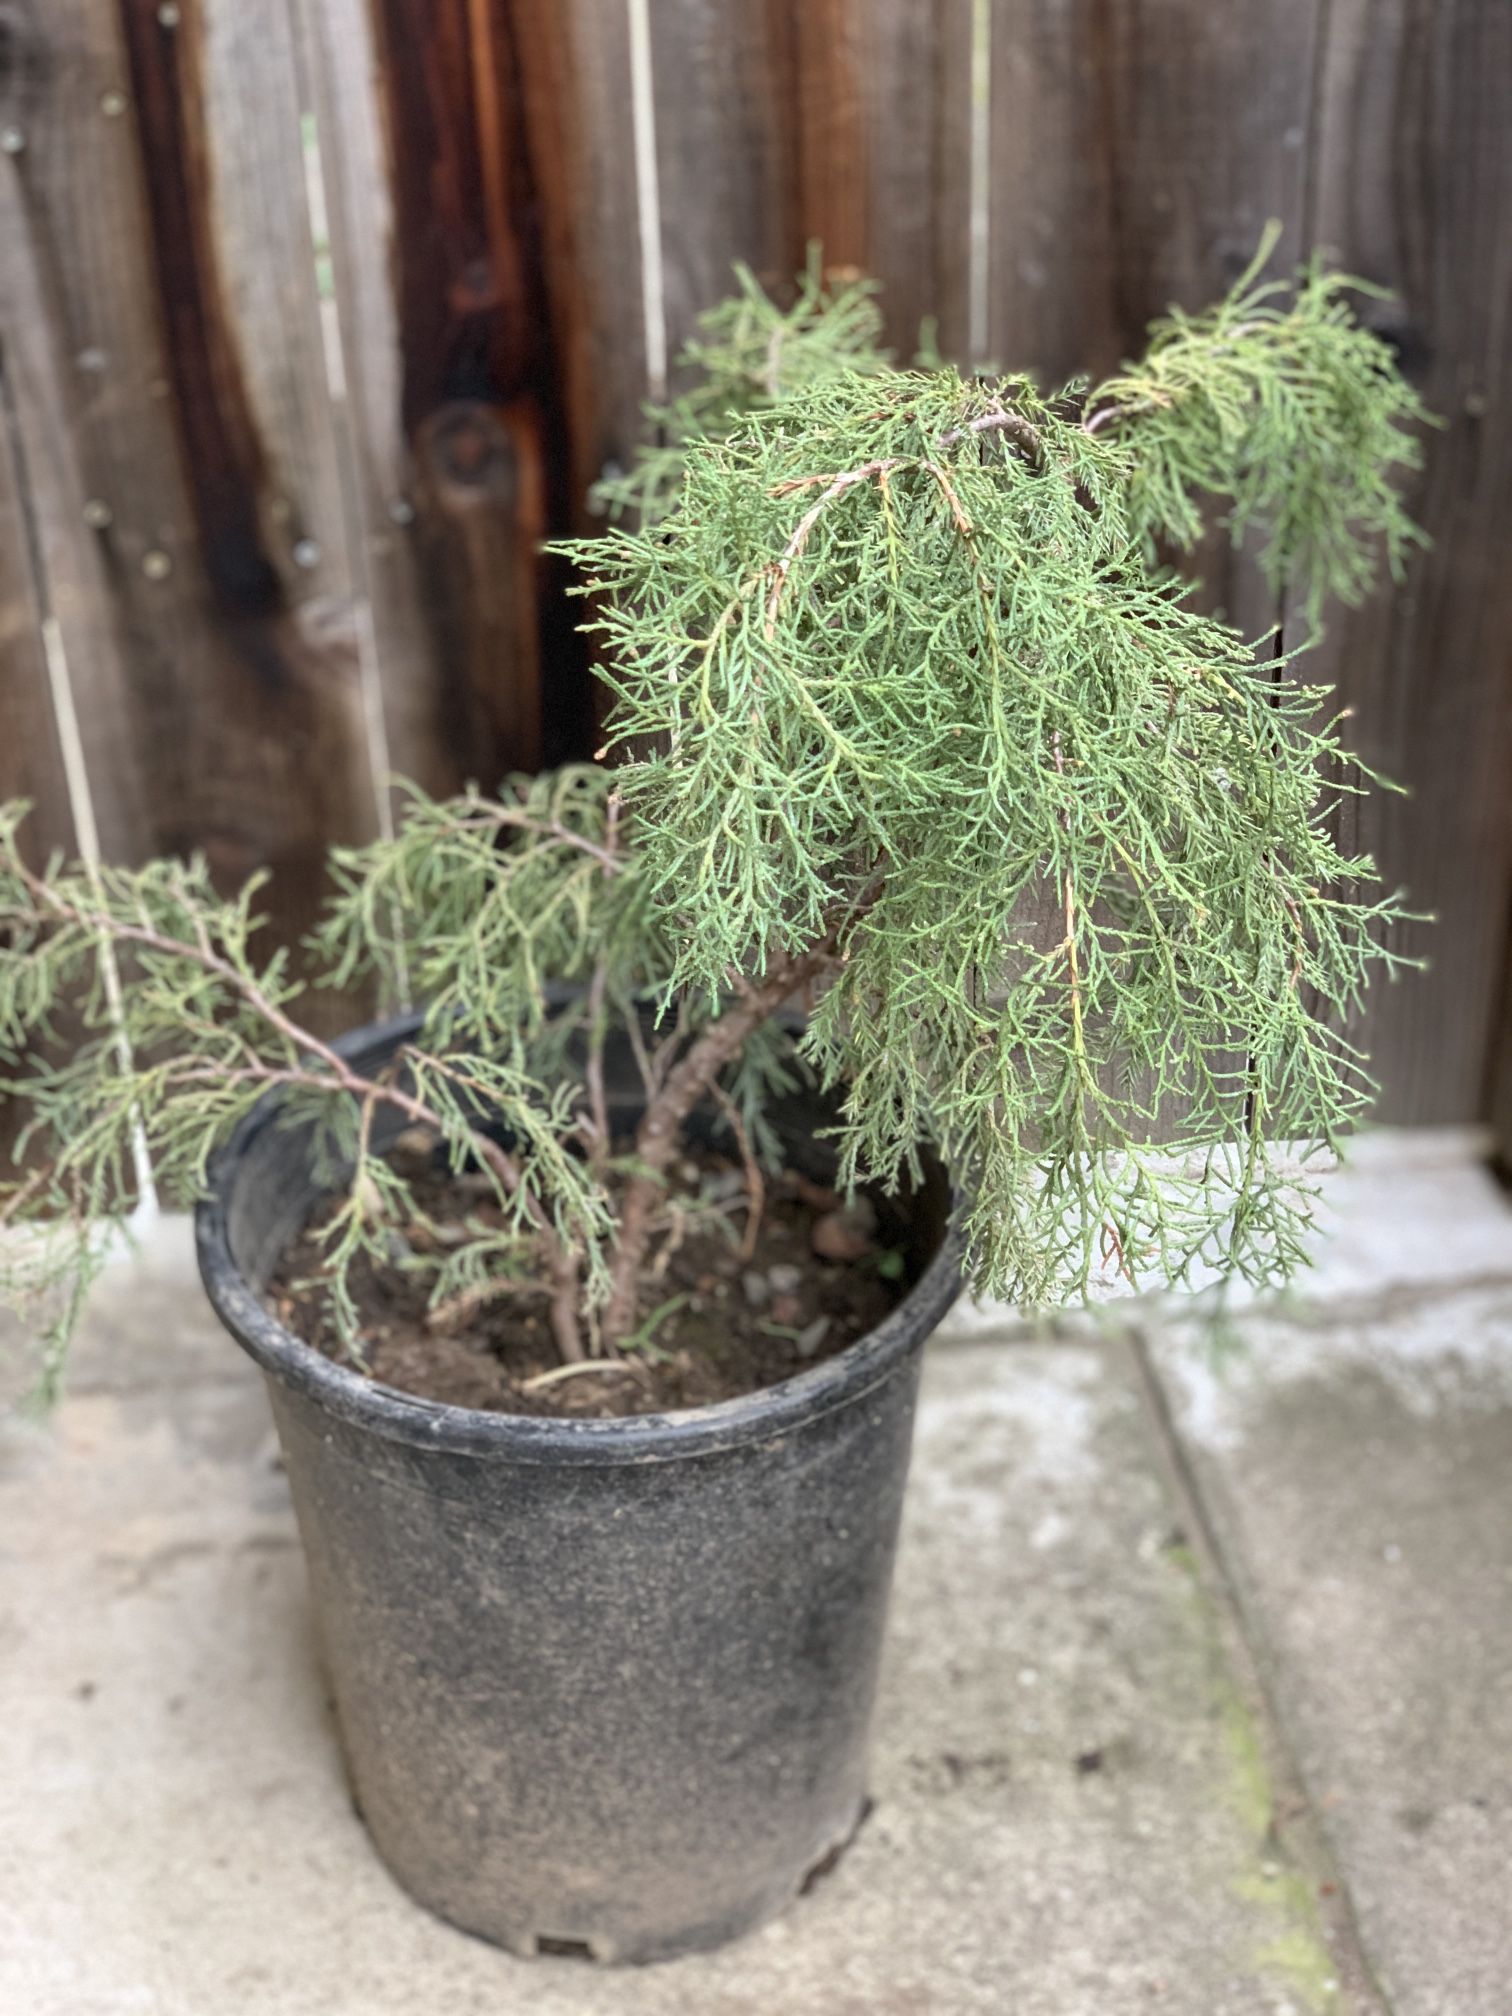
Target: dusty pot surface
x=603 y=1686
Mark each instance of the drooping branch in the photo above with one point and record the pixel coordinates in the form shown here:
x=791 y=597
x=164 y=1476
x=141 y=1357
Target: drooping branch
x=337 y=1076
x=835 y=487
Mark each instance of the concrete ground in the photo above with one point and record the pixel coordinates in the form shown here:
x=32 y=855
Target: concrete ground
x=1198 y=1696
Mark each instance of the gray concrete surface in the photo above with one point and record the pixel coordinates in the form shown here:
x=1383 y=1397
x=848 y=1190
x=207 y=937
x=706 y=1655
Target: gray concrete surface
x=1356 y=1464
x=1198 y=1694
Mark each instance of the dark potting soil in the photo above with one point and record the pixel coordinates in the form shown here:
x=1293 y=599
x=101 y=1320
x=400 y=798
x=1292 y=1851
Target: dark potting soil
x=719 y=1318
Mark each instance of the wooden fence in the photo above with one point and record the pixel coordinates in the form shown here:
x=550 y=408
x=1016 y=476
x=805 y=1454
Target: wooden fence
x=317 y=314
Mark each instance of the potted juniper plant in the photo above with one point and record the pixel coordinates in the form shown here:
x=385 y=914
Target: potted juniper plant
x=963 y=905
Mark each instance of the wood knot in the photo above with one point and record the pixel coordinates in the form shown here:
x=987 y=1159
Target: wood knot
x=467 y=446
x=475 y=290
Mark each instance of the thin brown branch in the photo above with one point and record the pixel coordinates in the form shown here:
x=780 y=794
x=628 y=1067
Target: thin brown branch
x=963 y=523
x=593 y=1071
x=1093 y=423
x=835 y=487
x=999 y=421
x=638 y=1051
x=456 y=1309
x=665 y=1053
x=595 y=1123
x=1112 y=1246
x=1293 y=910
x=558 y=1373
x=690 y=1080
x=1068 y=888
x=515 y=820
x=755 y=1182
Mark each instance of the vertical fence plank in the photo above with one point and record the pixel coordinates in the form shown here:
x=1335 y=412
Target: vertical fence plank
x=463 y=253
x=577 y=103
x=65 y=373
x=877 y=93
x=1137 y=153
x=723 y=164
x=340 y=96
x=1414 y=187
x=795 y=120
x=1500 y=1089
x=218 y=696
x=31 y=757
x=31 y=754
x=478 y=166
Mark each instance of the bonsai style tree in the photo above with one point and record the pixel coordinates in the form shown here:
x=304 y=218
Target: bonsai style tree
x=926 y=734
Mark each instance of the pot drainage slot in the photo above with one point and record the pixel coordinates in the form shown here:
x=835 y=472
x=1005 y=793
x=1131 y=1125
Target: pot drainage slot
x=565 y=1949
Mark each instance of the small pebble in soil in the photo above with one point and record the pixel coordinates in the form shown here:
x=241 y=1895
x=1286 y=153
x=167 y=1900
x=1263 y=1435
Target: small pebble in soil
x=757 y=1288
x=846 y=1234
x=811 y=1336
x=785 y=1279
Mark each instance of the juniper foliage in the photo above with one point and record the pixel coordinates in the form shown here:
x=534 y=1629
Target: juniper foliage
x=922 y=723
x=1278 y=401
x=919 y=687
x=749 y=353
x=188 y=1020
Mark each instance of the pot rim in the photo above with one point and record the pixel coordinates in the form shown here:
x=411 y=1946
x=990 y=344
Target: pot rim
x=397 y=1416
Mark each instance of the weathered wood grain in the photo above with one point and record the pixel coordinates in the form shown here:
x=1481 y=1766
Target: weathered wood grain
x=61 y=389
x=876 y=93
x=1414 y=188
x=1137 y=153
x=1138 y=150
x=218 y=698
x=478 y=166
x=31 y=755
x=577 y=103
x=340 y=97
x=797 y=120
x=724 y=166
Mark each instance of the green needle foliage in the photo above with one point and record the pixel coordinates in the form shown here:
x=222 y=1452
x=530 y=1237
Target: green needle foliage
x=934 y=733
x=749 y=354
x=1281 y=403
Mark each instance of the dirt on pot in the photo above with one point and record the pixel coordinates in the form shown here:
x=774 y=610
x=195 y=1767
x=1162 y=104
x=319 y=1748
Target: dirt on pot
x=727 y=1310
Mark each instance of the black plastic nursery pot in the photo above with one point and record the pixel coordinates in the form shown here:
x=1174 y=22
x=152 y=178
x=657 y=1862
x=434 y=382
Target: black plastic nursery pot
x=603 y=1686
